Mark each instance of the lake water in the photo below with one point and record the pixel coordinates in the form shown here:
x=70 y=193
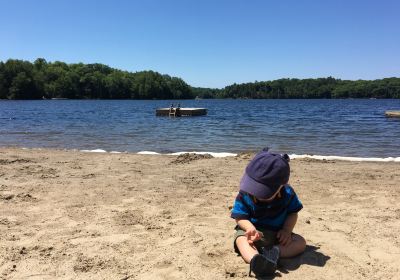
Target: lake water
x=323 y=127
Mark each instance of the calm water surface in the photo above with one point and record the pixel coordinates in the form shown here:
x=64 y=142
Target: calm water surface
x=321 y=127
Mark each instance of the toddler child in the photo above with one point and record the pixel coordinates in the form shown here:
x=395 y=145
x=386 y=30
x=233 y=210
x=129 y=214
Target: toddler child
x=265 y=211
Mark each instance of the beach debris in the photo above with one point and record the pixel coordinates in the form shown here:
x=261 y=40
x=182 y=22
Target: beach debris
x=127 y=277
x=88 y=176
x=18 y=160
x=26 y=197
x=20 y=196
x=7 y=196
x=5 y=222
x=245 y=155
x=23 y=251
x=323 y=160
x=188 y=157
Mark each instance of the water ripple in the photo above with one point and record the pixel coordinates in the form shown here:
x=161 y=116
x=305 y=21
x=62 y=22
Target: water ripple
x=325 y=127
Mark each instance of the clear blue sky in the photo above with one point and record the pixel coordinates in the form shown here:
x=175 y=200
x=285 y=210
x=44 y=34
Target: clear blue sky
x=210 y=43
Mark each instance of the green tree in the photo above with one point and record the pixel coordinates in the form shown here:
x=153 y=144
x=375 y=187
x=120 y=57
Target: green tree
x=21 y=87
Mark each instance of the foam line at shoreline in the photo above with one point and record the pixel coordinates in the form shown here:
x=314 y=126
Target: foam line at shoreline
x=94 y=151
x=388 y=159
x=222 y=154
x=292 y=156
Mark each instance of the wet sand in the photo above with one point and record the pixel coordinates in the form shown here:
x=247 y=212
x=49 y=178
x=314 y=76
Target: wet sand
x=74 y=215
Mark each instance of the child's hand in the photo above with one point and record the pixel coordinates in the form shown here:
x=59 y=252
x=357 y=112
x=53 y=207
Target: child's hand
x=252 y=235
x=284 y=237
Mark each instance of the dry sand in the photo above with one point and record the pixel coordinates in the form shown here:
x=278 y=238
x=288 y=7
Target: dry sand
x=73 y=215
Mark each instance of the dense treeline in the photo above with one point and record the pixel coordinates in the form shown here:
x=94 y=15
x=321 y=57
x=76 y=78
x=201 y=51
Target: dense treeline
x=41 y=79
x=206 y=93
x=315 y=88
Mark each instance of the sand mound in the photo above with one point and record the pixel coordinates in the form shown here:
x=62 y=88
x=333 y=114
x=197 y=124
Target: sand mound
x=189 y=157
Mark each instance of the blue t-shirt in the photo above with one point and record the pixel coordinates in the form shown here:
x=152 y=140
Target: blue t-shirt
x=264 y=215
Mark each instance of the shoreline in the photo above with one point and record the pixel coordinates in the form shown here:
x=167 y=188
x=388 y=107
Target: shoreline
x=70 y=215
x=224 y=154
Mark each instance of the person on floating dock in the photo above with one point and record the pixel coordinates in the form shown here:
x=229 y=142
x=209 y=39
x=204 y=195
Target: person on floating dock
x=172 y=110
x=175 y=112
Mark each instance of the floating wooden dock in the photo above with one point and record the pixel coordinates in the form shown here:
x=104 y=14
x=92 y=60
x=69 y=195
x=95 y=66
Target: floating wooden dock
x=181 y=112
x=392 y=114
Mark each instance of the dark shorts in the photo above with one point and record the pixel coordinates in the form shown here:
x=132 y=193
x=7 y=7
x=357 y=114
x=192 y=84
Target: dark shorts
x=267 y=240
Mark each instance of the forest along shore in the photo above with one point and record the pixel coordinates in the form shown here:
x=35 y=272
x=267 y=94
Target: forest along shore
x=69 y=215
x=21 y=79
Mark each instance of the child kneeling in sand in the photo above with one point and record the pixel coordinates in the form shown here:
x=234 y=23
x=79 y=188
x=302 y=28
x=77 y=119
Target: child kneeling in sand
x=265 y=211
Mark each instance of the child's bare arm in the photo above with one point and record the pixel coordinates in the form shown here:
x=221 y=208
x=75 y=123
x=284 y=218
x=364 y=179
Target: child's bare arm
x=245 y=224
x=290 y=222
x=251 y=232
x=285 y=234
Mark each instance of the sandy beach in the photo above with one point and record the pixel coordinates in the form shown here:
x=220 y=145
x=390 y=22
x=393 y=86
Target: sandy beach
x=75 y=215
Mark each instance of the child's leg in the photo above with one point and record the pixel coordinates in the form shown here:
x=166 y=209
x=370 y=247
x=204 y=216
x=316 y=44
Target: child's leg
x=246 y=250
x=297 y=246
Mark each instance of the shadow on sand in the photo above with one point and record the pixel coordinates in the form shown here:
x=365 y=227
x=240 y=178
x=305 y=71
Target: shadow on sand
x=310 y=257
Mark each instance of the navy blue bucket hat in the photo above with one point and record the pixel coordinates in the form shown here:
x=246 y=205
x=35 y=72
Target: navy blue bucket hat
x=265 y=173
